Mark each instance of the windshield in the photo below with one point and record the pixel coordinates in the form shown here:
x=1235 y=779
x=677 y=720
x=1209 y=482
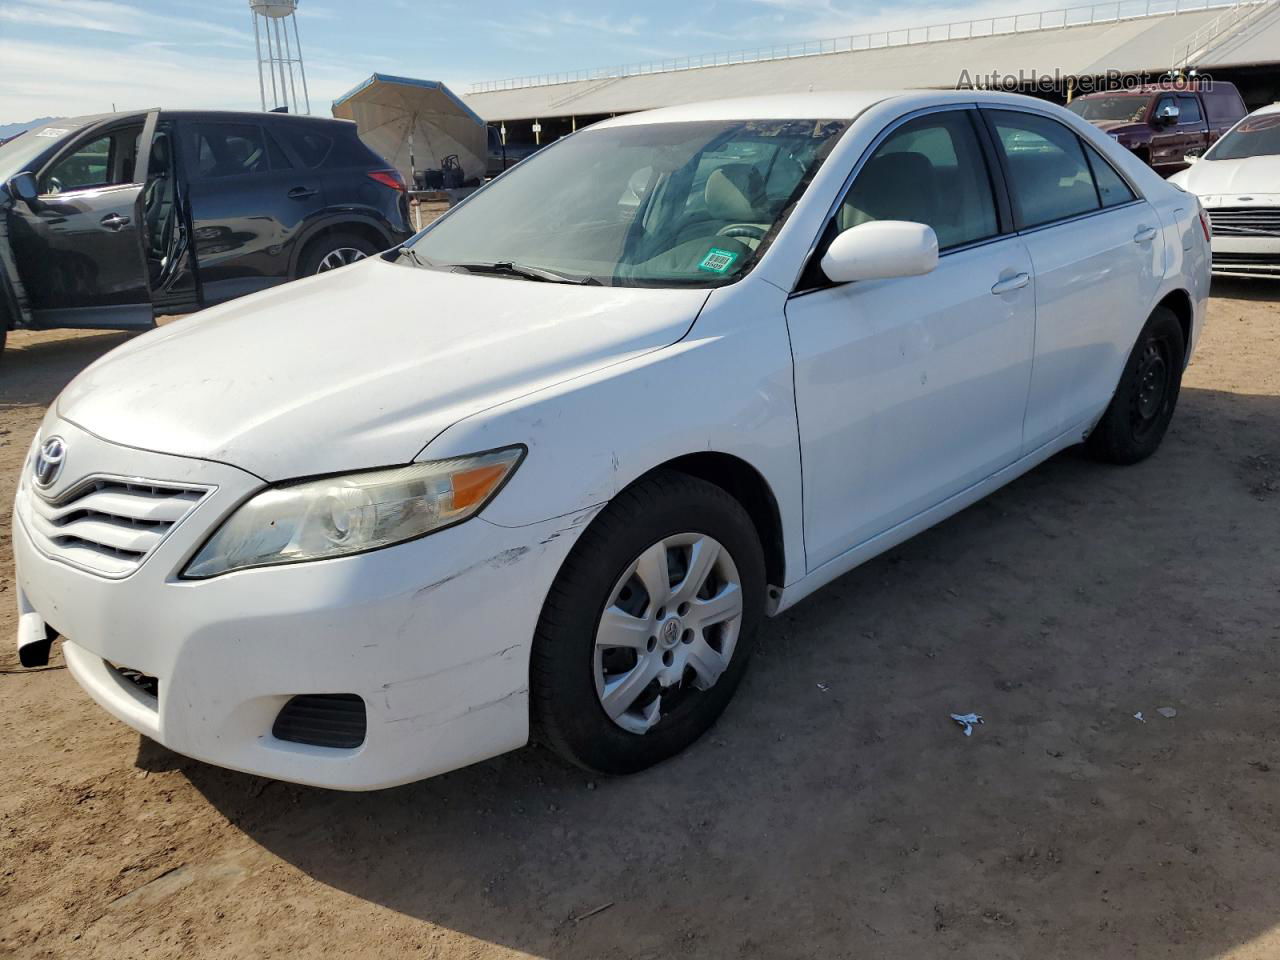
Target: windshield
x=660 y=204
x=17 y=154
x=1129 y=109
x=1252 y=137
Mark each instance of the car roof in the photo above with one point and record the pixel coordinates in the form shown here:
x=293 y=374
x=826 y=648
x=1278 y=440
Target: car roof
x=1147 y=89
x=827 y=105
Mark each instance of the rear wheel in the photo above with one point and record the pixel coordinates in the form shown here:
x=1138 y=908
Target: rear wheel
x=646 y=632
x=1138 y=417
x=332 y=251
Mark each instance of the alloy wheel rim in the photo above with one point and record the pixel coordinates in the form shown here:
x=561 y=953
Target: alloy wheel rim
x=339 y=258
x=668 y=630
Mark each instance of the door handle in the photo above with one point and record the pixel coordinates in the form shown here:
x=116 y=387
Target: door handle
x=1013 y=283
x=115 y=221
x=1144 y=235
x=301 y=193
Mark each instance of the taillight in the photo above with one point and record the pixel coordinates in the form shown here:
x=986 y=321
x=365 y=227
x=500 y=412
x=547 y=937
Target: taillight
x=1205 y=225
x=388 y=178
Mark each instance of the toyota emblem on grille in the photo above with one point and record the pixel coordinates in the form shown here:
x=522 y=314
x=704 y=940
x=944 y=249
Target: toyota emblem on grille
x=53 y=453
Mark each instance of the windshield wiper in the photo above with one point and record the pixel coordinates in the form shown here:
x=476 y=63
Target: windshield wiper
x=508 y=268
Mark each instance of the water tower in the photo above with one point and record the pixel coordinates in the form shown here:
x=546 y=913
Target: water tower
x=281 y=68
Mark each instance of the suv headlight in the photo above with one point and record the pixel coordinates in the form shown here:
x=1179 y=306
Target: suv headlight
x=354 y=512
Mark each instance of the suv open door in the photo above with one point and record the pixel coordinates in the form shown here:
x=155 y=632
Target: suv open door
x=76 y=229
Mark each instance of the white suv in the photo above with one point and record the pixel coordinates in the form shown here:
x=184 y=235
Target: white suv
x=543 y=469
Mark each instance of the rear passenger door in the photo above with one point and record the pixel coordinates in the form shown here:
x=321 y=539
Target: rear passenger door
x=1096 y=250
x=909 y=390
x=1192 y=126
x=248 y=203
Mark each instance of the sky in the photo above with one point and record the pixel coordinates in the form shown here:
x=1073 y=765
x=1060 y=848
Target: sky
x=69 y=57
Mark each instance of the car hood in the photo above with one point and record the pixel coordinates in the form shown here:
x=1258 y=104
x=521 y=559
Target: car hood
x=1250 y=175
x=1117 y=127
x=359 y=367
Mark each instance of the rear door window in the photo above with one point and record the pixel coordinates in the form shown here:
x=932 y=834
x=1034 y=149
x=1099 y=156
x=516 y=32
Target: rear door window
x=311 y=146
x=229 y=150
x=1049 y=176
x=1189 y=109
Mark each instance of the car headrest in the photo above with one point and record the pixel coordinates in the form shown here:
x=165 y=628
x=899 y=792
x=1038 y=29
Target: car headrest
x=898 y=186
x=736 y=192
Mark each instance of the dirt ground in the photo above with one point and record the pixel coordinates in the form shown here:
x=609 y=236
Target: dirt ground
x=835 y=812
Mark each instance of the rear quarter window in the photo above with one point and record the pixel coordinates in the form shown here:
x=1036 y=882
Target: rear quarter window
x=349 y=151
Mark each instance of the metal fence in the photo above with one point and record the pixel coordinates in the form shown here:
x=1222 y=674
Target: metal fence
x=907 y=36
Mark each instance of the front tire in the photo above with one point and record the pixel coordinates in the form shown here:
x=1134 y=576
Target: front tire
x=1138 y=416
x=648 y=627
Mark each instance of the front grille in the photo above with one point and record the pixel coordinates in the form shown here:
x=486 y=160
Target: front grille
x=1251 y=264
x=107 y=525
x=322 y=720
x=1245 y=221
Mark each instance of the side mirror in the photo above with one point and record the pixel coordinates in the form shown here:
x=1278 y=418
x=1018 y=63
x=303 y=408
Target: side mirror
x=1167 y=114
x=880 y=249
x=23 y=187
x=1191 y=156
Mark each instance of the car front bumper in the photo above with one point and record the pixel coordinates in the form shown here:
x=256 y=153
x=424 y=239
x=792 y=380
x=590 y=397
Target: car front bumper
x=433 y=635
x=1246 y=256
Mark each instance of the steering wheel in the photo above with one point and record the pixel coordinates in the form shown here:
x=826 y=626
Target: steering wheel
x=53 y=185
x=751 y=230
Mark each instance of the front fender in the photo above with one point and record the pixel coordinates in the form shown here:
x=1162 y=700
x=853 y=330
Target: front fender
x=725 y=388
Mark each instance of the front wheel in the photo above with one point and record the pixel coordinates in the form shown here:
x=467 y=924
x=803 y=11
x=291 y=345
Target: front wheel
x=1143 y=405
x=647 y=630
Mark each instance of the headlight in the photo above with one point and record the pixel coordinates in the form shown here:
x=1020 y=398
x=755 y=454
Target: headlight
x=353 y=513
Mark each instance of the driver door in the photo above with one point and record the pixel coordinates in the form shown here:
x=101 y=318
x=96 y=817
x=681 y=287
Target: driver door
x=79 y=245
x=911 y=390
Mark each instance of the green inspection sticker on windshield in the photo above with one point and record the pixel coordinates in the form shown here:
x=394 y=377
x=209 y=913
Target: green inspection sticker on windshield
x=717 y=260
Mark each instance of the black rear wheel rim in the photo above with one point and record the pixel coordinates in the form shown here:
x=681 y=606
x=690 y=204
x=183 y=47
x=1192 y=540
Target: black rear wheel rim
x=1153 y=385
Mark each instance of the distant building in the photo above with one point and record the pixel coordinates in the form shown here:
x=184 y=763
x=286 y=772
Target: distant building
x=1050 y=54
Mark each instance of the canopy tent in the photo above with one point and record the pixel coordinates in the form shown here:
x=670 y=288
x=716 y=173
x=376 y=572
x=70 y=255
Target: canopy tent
x=416 y=124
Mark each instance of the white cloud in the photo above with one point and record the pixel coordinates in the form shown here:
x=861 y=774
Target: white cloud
x=39 y=79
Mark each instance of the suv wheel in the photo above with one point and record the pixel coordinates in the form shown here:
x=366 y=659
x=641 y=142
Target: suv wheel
x=1143 y=405
x=332 y=251
x=646 y=632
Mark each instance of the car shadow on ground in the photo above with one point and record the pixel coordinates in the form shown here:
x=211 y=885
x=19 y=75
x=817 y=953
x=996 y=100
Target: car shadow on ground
x=34 y=371
x=837 y=811
x=1244 y=288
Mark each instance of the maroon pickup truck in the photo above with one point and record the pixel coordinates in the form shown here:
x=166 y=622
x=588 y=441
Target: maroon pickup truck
x=1164 y=123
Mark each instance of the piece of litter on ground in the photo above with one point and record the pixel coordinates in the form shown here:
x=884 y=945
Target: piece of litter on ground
x=1167 y=712
x=591 y=913
x=823 y=687
x=1139 y=717
x=968 y=721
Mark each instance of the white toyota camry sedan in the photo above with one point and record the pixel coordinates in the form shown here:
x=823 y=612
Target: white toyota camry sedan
x=541 y=471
